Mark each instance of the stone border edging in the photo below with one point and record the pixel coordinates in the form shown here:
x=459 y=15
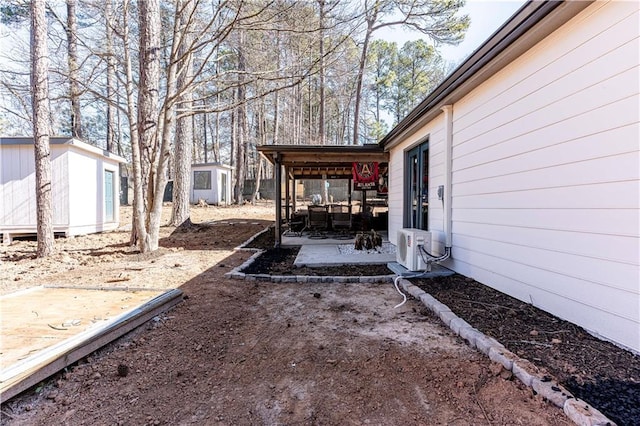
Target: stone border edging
x=577 y=410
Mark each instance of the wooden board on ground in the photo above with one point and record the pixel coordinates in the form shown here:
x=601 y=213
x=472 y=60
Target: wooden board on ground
x=44 y=329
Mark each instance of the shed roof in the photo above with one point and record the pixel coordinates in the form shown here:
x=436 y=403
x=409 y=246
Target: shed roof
x=530 y=24
x=322 y=161
x=63 y=140
x=213 y=164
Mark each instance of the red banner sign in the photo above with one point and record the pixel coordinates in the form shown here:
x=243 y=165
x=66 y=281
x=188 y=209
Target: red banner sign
x=365 y=176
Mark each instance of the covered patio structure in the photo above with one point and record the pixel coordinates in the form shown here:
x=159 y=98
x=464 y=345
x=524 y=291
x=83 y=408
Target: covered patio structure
x=313 y=162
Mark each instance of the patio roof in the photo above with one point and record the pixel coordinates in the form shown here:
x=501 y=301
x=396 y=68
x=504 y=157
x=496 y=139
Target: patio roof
x=322 y=161
x=314 y=162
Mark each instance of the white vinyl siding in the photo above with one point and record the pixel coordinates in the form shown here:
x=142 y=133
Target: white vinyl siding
x=77 y=185
x=18 y=176
x=546 y=175
x=86 y=188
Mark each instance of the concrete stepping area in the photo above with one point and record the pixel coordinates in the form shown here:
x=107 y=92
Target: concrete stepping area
x=330 y=255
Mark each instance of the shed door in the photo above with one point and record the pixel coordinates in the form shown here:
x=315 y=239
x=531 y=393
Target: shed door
x=108 y=196
x=223 y=184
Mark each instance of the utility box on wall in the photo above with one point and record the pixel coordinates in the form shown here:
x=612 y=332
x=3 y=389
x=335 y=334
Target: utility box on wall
x=85 y=187
x=211 y=182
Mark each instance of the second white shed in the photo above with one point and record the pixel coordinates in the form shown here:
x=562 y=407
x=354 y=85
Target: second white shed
x=211 y=182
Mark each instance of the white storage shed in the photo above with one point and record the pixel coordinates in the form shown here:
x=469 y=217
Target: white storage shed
x=211 y=182
x=526 y=162
x=85 y=187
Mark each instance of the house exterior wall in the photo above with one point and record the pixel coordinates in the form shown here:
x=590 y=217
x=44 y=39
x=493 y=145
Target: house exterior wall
x=546 y=176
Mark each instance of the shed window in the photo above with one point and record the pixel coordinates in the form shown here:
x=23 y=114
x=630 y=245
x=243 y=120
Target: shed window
x=202 y=179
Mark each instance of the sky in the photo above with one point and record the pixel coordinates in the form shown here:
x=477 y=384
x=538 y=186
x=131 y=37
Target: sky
x=486 y=17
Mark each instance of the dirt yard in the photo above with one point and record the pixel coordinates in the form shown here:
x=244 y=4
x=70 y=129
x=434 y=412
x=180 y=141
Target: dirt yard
x=238 y=352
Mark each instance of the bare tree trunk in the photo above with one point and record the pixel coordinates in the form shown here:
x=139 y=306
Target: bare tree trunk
x=144 y=148
x=241 y=162
x=258 y=181
x=321 y=125
x=111 y=81
x=276 y=117
x=148 y=91
x=216 y=138
x=262 y=137
x=138 y=230
x=164 y=131
x=74 y=89
x=321 y=119
x=41 y=128
x=241 y=123
x=184 y=128
x=358 y=95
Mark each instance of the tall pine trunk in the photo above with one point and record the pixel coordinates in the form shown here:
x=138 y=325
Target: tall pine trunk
x=241 y=123
x=184 y=127
x=72 y=57
x=144 y=147
x=112 y=102
x=358 y=94
x=41 y=128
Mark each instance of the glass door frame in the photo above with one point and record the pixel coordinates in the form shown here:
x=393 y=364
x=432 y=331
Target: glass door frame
x=416 y=186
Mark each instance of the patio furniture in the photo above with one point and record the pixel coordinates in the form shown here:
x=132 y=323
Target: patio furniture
x=296 y=225
x=341 y=219
x=317 y=221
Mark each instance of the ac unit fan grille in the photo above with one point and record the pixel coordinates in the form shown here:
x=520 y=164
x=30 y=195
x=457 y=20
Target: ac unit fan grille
x=402 y=246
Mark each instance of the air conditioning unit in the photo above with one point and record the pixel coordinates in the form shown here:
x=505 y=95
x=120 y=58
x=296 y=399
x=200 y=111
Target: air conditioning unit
x=407 y=249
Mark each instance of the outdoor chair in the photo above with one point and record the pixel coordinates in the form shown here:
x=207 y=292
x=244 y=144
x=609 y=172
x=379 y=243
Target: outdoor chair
x=341 y=219
x=317 y=221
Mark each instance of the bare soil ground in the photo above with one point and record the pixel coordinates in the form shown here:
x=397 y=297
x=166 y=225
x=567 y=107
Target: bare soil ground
x=238 y=352
x=593 y=370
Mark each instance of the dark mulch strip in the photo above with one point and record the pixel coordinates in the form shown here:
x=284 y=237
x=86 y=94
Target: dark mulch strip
x=596 y=371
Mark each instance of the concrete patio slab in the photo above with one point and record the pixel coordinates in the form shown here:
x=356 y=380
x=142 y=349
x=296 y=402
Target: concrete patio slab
x=329 y=255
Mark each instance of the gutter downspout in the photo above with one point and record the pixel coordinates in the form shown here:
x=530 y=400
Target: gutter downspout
x=447 y=198
x=427 y=257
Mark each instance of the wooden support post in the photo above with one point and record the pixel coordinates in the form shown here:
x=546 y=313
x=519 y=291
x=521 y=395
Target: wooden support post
x=278 y=170
x=287 y=190
x=293 y=195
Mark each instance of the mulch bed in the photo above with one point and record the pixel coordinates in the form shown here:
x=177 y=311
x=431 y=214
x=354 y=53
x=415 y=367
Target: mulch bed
x=596 y=371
